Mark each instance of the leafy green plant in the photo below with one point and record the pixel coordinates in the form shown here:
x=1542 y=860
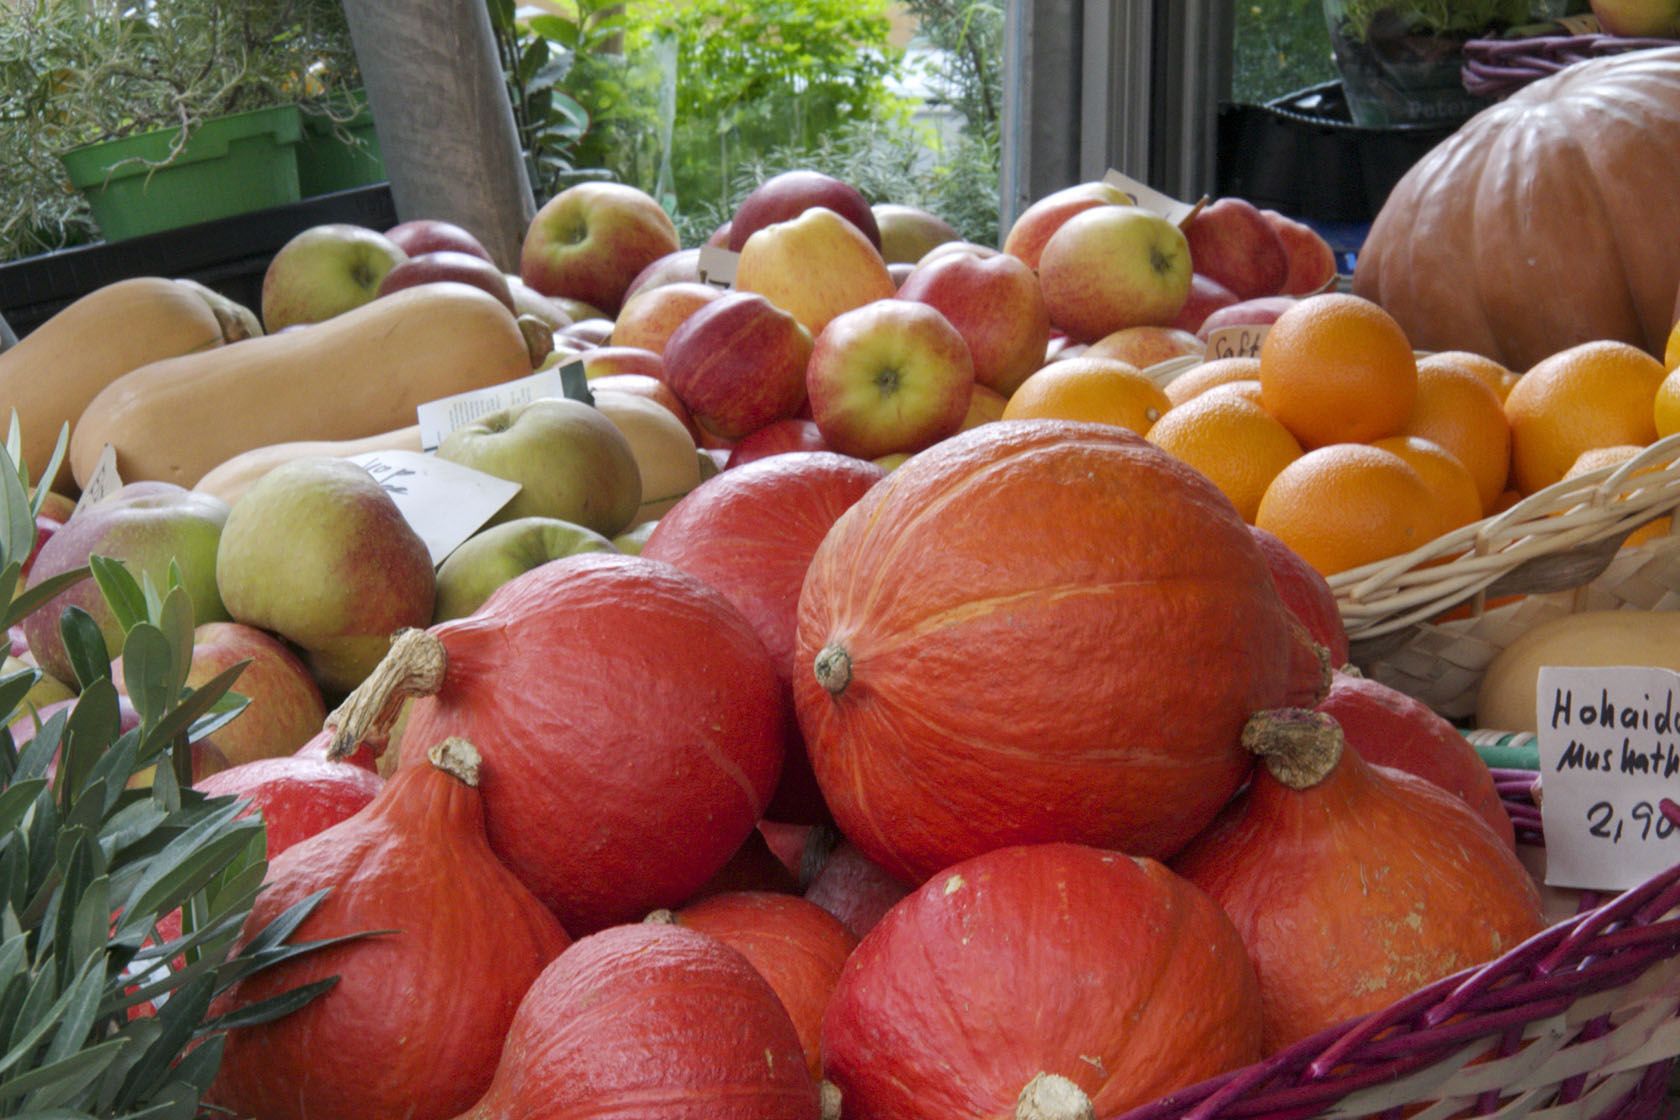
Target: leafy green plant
x=103 y=1014
x=536 y=57
x=1436 y=17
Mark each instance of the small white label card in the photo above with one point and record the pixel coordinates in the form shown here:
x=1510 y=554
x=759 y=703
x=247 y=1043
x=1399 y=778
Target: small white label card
x=1149 y=198
x=104 y=481
x=717 y=266
x=1609 y=754
x=1236 y=342
x=444 y=502
x=440 y=417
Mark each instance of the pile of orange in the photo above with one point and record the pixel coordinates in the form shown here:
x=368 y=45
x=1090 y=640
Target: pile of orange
x=1342 y=442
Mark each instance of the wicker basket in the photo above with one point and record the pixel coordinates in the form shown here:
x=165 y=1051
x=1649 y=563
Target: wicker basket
x=1559 y=548
x=1500 y=67
x=1577 y=1023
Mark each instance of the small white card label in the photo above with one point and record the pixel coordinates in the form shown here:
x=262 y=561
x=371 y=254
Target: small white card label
x=1236 y=342
x=717 y=266
x=1149 y=198
x=1609 y=754
x=104 y=481
x=444 y=502
x=440 y=417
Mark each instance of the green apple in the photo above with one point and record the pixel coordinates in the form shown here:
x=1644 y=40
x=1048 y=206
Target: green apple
x=571 y=462
x=323 y=271
x=495 y=555
x=317 y=552
x=147 y=525
x=630 y=541
x=908 y=233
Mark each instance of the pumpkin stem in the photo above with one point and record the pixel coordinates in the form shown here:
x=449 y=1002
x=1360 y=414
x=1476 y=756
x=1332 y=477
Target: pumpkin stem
x=829 y=1093
x=834 y=669
x=457 y=758
x=1050 y=1096
x=1300 y=746
x=414 y=667
x=660 y=917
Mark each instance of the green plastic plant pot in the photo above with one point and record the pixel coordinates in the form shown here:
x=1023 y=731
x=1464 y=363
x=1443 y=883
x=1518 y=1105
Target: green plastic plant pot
x=327 y=163
x=230 y=165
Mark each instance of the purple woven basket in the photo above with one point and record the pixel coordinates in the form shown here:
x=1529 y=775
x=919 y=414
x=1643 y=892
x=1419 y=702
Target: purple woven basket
x=1500 y=67
x=1580 y=1022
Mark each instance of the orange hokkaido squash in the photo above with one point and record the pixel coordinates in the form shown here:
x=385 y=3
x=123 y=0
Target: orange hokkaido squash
x=1038 y=630
x=1546 y=221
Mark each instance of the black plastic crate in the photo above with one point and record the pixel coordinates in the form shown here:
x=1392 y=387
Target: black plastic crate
x=229 y=255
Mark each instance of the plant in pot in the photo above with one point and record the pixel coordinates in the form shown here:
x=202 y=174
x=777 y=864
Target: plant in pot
x=1400 y=60
x=139 y=98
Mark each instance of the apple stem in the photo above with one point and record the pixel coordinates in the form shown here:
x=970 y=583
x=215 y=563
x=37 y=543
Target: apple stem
x=834 y=669
x=415 y=666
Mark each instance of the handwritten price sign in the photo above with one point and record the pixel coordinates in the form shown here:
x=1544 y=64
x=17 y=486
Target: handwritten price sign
x=1609 y=754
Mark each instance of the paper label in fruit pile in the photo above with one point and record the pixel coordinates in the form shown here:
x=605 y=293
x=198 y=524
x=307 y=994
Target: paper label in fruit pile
x=1609 y=755
x=1149 y=198
x=104 y=481
x=1235 y=342
x=574 y=383
x=717 y=266
x=443 y=502
x=440 y=417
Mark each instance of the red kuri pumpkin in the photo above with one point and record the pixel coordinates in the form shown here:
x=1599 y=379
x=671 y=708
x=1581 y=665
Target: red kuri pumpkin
x=1306 y=593
x=797 y=946
x=750 y=533
x=630 y=722
x=414 y=1025
x=1352 y=884
x=1545 y=221
x=1389 y=728
x=1038 y=630
x=297 y=797
x=650 y=1020
x=1049 y=959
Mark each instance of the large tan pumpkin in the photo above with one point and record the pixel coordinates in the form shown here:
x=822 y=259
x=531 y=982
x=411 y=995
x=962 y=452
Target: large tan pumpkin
x=1548 y=220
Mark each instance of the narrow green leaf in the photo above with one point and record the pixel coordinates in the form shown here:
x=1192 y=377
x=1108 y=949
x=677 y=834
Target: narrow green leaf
x=90 y=927
x=195 y=1071
x=36 y=1018
x=201 y=700
x=39 y=594
x=82 y=1068
x=185 y=864
x=95 y=723
x=222 y=713
x=89 y=657
x=79 y=1013
x=285 y=923
x=14 y=445
x=16 y=520
x=178 y=1018
x=275 y=1007
x=121 y=593
x=16 y=801
x=76 y=874
x=115 y=767
x=175 y=619
x=141 y=1033
x=42 y=749
x=13 y=688
x=50 y=471
x=149 y=673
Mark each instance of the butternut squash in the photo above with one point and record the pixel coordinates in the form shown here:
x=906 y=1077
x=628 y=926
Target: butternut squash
x=232 y=478
x=50 y=376
x=355 y=375
x=1590 y=638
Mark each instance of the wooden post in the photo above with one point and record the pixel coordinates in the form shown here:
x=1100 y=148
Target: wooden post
x=441 y=110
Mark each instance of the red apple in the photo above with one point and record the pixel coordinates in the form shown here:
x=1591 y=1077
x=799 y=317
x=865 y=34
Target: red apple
x=750 y=533
x=1233 y=243
x=649 y=317
x=956 y=248
x=1142 y=347
x=590 y=240
x=1032 y=230
x=997 y=306
x=889 y=376
x=641 y=385
x=718 y=238
x=1312 y=263
x=1111 y=267
x=1207 y=295
x=448 y=264
x=816 y=266
x=680 y=267
x=784 y=197
x=45 y=527
x=297 y=796
x=602 y=361
x=1262 y=312
x=56 y=506
x=909 y=232
x=433 y=235
x=796 y=434
x=738 y=363
x=900 y=272
x=589 y=332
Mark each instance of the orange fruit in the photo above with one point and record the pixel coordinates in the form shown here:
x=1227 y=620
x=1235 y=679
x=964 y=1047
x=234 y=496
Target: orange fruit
x=1597 y=394
x=1220 y=371
x=1490 y=372
x=1614 y=457
x=1247 y=390
x=1337 y=368
x=1667 y=410
x=1671 y=352
x=1234 y=442
x=1457 y=410
x=1347 y=505
x=1097 y=389
x=1506 y=499
x=1456 y=500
